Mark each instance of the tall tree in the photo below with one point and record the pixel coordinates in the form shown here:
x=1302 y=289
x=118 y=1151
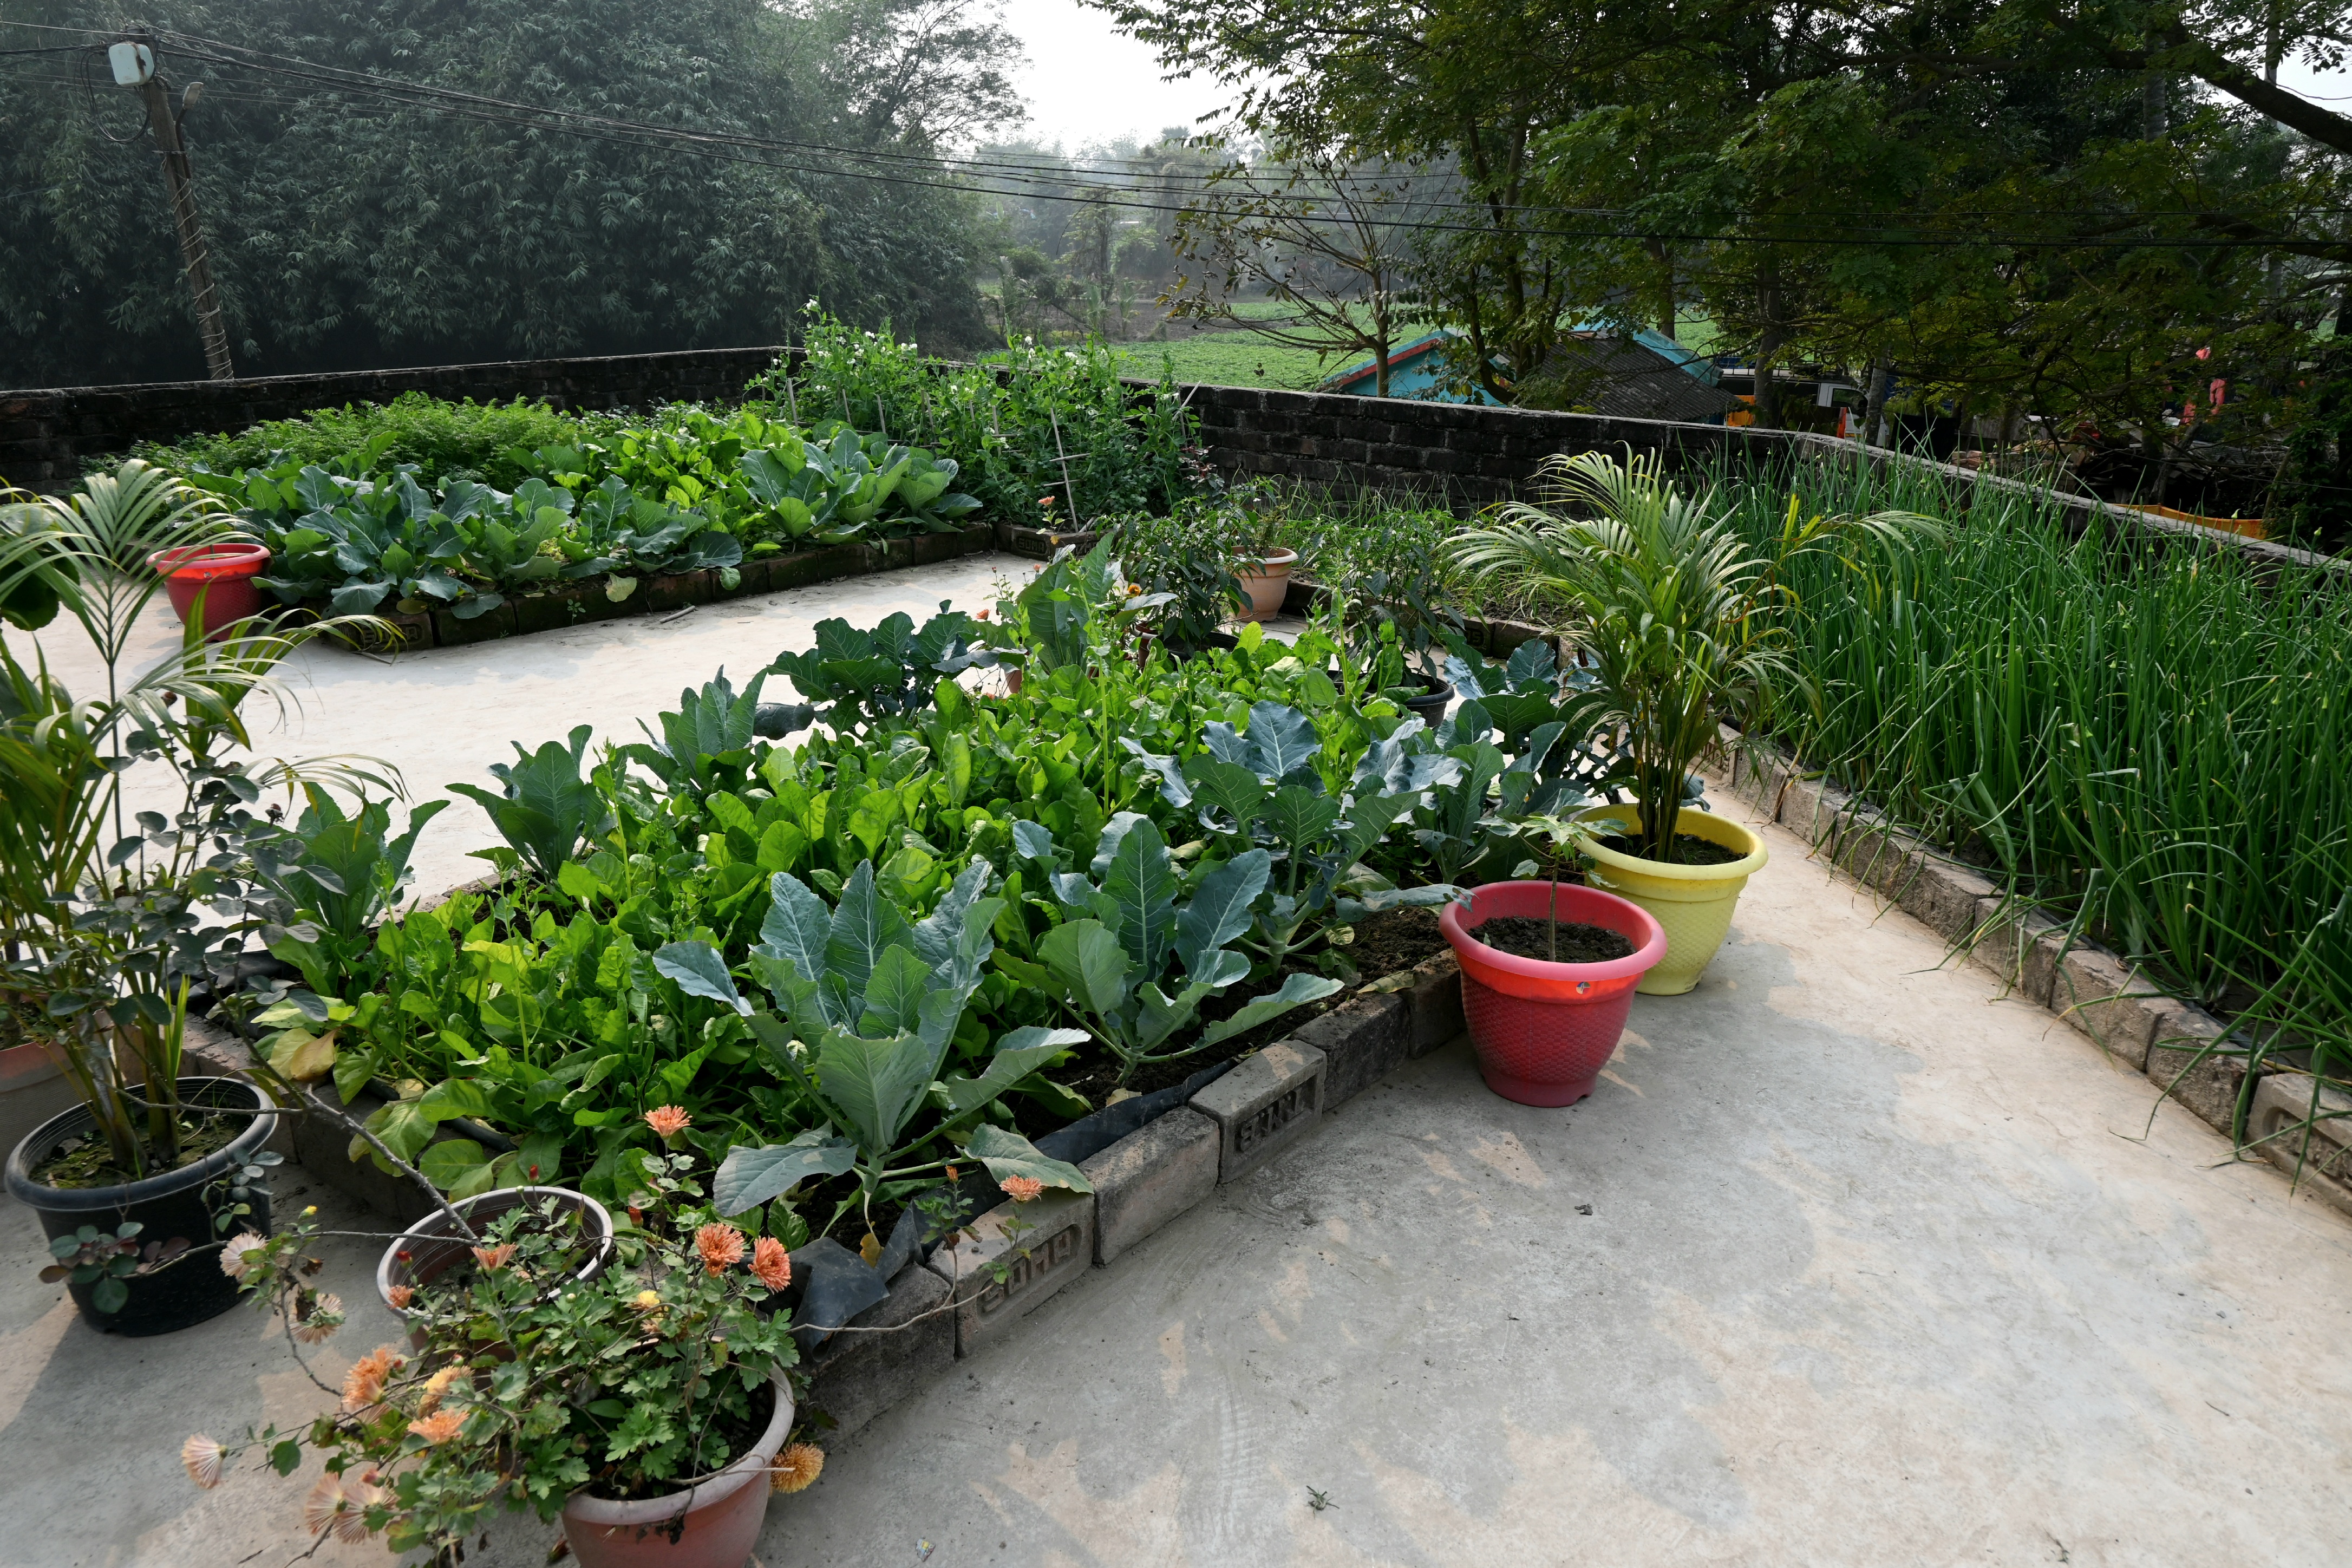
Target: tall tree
x=353 y=228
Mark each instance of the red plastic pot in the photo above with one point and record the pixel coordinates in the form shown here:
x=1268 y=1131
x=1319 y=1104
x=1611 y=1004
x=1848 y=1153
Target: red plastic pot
x=222 y=575
x=1543 y=1031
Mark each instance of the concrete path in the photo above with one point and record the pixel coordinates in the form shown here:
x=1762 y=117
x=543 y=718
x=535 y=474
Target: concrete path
x=1877 y=1268
x=444 y=715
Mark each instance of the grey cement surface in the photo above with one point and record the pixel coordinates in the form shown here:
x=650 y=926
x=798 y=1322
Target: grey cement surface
x=1880 y=1269
x=443 y=715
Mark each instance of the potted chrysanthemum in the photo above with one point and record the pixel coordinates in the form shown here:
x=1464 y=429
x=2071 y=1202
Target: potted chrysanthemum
x=648 y=1406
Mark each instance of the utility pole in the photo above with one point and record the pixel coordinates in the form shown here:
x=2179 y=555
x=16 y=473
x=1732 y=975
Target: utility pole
x=133 y=61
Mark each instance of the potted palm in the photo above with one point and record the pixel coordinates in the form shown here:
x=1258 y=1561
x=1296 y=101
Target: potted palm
x=1680 y=616
x=646 y=1405
x=108 y=917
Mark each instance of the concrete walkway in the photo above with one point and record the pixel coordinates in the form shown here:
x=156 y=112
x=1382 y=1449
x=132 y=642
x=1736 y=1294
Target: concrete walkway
x=444 y=715
x=1848 y=1262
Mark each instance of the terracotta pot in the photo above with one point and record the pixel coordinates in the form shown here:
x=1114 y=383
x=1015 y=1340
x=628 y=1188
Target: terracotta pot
x=1266 y=583
x=168 y=1204
x=1543 y=1031
x=1694 y=903
x=433 y=1245
x=715 y=1525
x=213 y=580
x=33 y=1088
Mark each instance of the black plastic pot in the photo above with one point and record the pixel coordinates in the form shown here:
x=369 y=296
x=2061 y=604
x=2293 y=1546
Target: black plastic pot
x=167 y=1206
x=1430 y=707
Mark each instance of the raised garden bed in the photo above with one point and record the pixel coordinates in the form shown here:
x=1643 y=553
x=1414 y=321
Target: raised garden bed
x=562 y=608
x=2108 y=998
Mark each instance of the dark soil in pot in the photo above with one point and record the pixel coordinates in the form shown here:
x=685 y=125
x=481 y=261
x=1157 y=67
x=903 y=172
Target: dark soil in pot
x=171 y=1205
x=1523 y=937
x=1690 y=849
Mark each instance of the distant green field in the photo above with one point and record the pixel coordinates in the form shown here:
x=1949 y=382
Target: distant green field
x=1229 y=358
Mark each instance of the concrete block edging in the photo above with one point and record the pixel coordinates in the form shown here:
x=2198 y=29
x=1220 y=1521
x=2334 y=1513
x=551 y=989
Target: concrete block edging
x=2106 y=997
x=953 y=1303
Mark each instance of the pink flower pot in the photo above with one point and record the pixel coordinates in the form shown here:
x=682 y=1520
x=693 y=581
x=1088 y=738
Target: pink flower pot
x=217 y=577
x=1543 y=1031
x=1266 y=584
x=713 y=1526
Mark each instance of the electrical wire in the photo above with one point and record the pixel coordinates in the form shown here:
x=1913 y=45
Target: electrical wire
x=1029 y=182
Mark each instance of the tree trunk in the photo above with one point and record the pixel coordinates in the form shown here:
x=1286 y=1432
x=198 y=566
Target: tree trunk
x=1874 y=418
x=1768 y=353
x=1669 y=306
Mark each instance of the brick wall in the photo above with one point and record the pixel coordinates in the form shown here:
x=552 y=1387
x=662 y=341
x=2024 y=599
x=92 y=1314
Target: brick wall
x=1465 y=455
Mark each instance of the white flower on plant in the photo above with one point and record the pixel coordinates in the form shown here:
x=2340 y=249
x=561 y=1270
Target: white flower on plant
x=236 y=1259
x=325 y=1315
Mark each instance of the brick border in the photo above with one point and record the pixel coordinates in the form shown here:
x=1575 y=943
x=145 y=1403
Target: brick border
x=2107 y=998
x=1142 y=1182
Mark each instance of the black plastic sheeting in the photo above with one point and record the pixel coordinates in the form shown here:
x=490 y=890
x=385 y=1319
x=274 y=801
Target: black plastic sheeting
x=833 y=1284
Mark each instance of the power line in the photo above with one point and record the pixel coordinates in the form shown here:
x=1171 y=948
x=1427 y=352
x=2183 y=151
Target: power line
x=1035 y=183
x=1029 y=182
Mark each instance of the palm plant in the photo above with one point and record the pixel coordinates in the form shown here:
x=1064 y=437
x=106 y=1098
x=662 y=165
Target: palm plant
x=1683 y=621
x=109 y=916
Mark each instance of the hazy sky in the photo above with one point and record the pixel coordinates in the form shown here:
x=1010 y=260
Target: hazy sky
x=1086 y=83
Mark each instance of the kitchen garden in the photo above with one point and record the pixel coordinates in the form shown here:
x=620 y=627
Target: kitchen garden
x=829 y=969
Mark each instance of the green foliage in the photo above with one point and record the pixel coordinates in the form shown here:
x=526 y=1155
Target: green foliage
x=546 y=808
x=424 y=236
x=2126 y=731
x=484 y=442
x=891 y=670
x=1029 y=424
x=1108 y=960
x=1676 y=606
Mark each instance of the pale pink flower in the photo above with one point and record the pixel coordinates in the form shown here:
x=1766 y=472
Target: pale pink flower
x=321 y=1314
x=234 y=1260
x=1022 y=1189
x=202 y=1460
x=324 y=1508
x=668 y=1122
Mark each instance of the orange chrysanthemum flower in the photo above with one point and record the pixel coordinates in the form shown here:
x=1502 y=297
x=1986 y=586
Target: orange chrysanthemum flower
x=401 y=1296
x=770 y=1264
x=797 y=1467
x=1021 y=1189
x=439 y=1427
x=668 y=1122
x=435 y=1386
x=364 y=1385
x=493 y=1259
x=722 y=1246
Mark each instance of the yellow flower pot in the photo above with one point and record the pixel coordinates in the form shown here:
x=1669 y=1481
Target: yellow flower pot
x=1693 y=903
